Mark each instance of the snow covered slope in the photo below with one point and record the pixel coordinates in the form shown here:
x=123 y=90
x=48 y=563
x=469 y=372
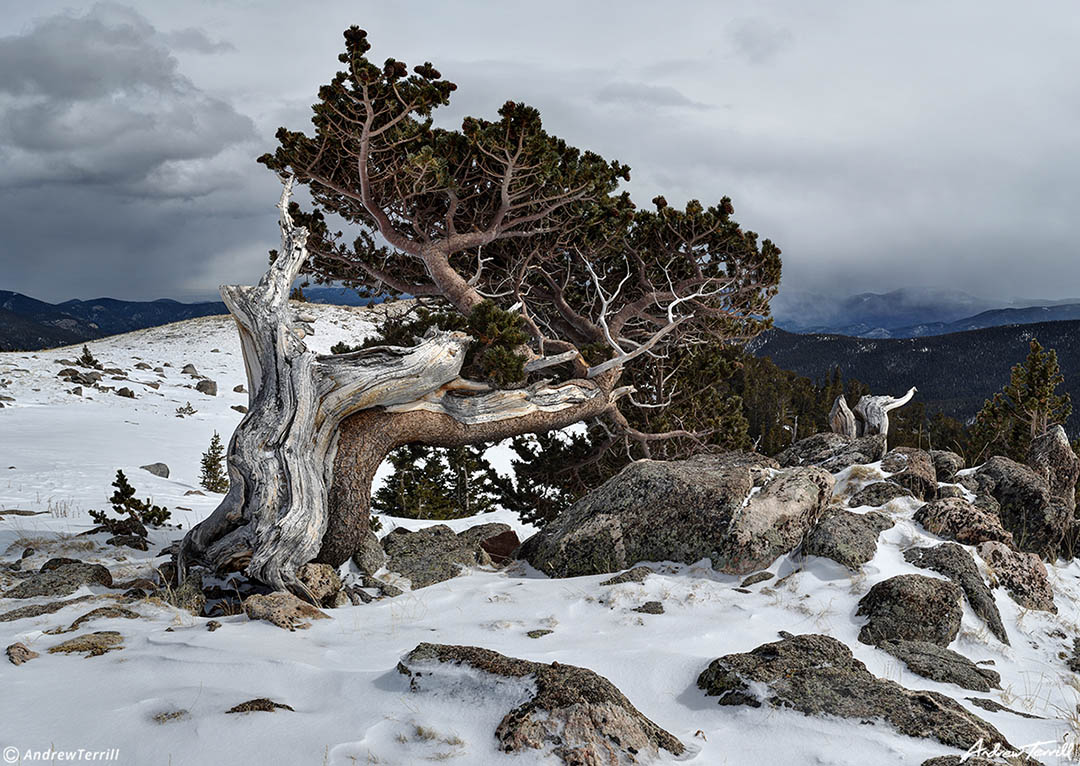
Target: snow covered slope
x=162 y=698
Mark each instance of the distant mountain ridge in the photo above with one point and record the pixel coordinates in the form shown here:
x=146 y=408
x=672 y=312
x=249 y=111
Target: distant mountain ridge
x=955 y=373
x=911 y=312
x=28 y=324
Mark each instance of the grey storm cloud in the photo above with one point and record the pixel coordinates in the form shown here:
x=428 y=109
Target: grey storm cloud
x=643 y=94
x=99 y=99
x=880 y=145
x=194 y=39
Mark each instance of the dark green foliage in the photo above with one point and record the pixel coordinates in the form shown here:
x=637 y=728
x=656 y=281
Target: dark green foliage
x=87 y=359
x=127 y=506
x=502 y=208
x=297 y=294
x=437 y=483
x=498 y=334
x=551 y=471
x=213 y=477
x=343 y=348
x=187 y=409
x=704 y=395
x=1025 y=408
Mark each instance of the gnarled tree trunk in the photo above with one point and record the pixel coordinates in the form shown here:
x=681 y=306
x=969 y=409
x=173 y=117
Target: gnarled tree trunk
x=292 y=496
x=873 y=412
x=842 y=419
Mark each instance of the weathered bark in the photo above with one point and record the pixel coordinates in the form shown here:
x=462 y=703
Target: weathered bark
x=285 y=506
x=368 y=437
x=873 y=412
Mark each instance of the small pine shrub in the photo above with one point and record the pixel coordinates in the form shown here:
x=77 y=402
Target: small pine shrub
x=127 y=506
x=343 y=348
x=187 y=409
x=213 y=477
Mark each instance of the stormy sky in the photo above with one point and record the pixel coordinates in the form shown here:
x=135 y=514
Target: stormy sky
x=879 y=144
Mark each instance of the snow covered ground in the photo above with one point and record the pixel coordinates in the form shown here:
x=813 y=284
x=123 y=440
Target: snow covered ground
x=59 y=453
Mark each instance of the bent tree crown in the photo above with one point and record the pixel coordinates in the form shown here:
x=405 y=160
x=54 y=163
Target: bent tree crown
x=560 y=282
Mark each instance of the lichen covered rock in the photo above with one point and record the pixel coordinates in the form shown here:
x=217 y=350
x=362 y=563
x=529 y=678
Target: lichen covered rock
x=817 y=675
x=577 y=715
x=1022 y=574
x=911 y=607
x=63 y=580
x=282 y=609
x=729 y=508
x=845 y=537
x=954 y=518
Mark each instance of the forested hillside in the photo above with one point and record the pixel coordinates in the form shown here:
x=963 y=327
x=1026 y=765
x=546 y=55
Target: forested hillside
x=955 y=373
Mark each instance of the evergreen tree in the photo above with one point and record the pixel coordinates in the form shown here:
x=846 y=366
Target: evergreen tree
x=475 y=482
x=213 y=477
x=436 y=483
x=550 y=472
x=1025 y=408
x=126 y=505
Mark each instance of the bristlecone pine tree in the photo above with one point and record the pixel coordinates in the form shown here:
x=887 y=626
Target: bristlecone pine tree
x=213 y=476
x=1025 y=408
x=560 y=289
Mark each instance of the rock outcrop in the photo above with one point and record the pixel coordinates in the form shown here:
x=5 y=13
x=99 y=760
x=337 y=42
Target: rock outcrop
x=954 y=562
x=956 y=519
x=817 y=675
x=1052 y=458
x=913 y=469
x=833 y=452
x=577 y=715
x=729 y=508
x=911 y=607
x=1039 y=523
x=1022 y=574
x=845 y=537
